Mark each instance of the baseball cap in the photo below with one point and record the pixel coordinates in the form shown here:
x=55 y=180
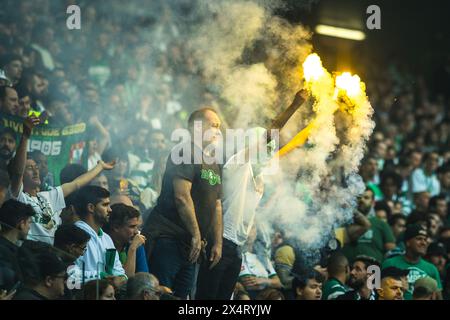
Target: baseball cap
x=415 y=230
x=393 y=272
x=426 y=282
x=436 y=249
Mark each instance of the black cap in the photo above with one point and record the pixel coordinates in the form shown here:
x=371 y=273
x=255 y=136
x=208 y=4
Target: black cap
x=415 y=230
x=436 y=249
x=393 y=272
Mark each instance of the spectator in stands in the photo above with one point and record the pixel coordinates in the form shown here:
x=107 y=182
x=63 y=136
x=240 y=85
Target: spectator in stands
x=143 y=286
x=391 y=284
x=43 y=271
x=101 y=258
x=338 y=274
x=72 y=240
x=425 y=178
x=9 y=101
x=26 y=182
x=377 y=240
x=12 y=65
x=425 y=289
x=15 y=221
x=416 y=244
x=257 y=272
x=307 y=285
x=123 y=228
x=359 y=277
x=98 y=290
x=7 y=147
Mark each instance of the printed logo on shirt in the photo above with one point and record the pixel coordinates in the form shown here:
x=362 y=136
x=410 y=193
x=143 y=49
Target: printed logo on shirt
x=366 y=237
x=212 y=177
x=413 y=275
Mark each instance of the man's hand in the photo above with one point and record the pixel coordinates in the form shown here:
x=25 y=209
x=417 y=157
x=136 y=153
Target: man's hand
x=254 y=282
x=301 y=96
x=216 y=255
x=107 y=165
x=137 y=241
x=28 y=125
x=196 y=246
x=116 y=281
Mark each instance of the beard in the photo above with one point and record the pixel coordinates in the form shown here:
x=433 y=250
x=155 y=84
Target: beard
x=101 y=220
x=5 y=154
x=356 y=284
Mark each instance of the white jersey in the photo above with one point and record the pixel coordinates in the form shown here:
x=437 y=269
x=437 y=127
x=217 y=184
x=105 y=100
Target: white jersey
x=48 y=206
x=95 y=258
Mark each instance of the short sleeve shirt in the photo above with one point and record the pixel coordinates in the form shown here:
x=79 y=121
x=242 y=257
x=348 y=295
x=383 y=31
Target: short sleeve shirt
x=48 y=206
x=206 y=188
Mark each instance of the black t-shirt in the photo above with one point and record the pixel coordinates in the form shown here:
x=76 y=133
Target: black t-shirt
x=206 y=189
x=28 y=294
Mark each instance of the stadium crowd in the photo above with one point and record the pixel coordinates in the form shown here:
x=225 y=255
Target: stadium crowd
x=128 y=223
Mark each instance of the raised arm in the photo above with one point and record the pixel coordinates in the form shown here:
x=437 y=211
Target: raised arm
x=104 y=140
x=86 y=178
x=359 y=227
x=185 y=207
x=280 y=121
x=17 y=166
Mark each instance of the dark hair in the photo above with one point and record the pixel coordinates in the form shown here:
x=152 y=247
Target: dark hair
x=9 y=131
x=120 y=214
x=383 y=205
x=433 y=201
x=69 y=234
x=398 y=180
x=87 y=195
x=13 y=212
x=428 y=155
x=416 y=217
x=3 y=91
x=366 y=159
x=90 y=289
x=38 y=260
x=199 y=115
x=301 y=280
x=35 y=154
x=394 y=218
x=335 y=263
x=22 y=91
x=8 y=58
x=368 y=261
x=70 y=172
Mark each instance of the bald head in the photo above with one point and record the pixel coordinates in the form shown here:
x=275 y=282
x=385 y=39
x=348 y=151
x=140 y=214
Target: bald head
x=337 y=265
x=120 y=198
